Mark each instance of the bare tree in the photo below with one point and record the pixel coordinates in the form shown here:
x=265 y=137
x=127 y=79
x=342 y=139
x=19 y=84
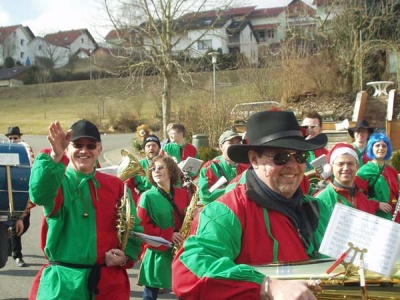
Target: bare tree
x=8 y=48
x=156 y=41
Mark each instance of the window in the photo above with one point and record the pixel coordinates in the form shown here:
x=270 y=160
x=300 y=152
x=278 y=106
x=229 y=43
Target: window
x=82 y=40
x=22 y=54
x=207 y=22
x=251 y=36
x=204 y=45
x=14 y=34
x=270 y=33
x=22 y=42
x=261 y=36
x=40 y=47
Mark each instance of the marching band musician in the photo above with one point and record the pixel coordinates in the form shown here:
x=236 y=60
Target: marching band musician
x=382 y=179
x=139 y=184
x=343 y=160
x=266 y=219
x=79 y=235
x=14 y=135
x=219 y=167
x=361 y=133
x=162 y=210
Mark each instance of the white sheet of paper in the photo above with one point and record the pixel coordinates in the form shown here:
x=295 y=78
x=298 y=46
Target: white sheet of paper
x=9 y=159
x=112 y=170
x=222 y=180
x=152 y=240
x=379 y=236
x=191 y=165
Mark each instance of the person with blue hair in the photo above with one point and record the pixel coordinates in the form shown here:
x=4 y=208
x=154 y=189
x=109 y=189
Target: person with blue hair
x=381 y=180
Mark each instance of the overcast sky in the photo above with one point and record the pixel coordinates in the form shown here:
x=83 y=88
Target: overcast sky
x=46 y=16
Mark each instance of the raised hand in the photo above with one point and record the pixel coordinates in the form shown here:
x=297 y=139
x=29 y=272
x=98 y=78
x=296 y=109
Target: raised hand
x=59 y=140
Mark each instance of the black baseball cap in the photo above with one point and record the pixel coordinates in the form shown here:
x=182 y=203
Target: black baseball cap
x=85 y=129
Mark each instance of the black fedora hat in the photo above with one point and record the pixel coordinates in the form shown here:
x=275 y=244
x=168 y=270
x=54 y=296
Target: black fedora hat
x=360 y=124
x=274 y=129
x=13 y=131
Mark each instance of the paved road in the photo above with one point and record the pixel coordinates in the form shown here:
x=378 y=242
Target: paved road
x=15 y=283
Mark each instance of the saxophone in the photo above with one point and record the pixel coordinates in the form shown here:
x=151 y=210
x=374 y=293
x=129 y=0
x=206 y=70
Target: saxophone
x=127 y=168
x=191 y=213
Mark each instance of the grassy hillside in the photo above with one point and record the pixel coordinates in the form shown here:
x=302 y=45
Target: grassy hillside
x=33 y=107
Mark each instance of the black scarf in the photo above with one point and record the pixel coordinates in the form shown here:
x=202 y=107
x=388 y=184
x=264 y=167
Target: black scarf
x=304 y=215
x=170 y=198
x=351 y=189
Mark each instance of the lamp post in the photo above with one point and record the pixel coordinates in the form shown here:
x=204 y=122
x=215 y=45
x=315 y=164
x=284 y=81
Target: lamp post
x=214 y=56
x=90 y=63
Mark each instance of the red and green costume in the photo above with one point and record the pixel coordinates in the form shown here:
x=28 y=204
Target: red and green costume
x=78 y=229
x=244 y=228
x=214 y=170
x=354 y=198
x=181 y=152
x=160 y=218
x=385 y=183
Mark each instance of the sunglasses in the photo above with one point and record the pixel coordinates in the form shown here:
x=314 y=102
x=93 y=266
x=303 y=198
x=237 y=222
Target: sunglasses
x=281 y=158
x=88 y=146
x=14 y=138
x=158 y=168
x=310 y=126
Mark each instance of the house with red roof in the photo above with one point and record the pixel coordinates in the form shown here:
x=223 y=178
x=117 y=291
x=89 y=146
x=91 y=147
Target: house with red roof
x=15 y=42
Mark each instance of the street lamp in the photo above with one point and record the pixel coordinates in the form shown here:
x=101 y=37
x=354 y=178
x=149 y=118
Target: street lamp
x=214 y=56
x=90 y=63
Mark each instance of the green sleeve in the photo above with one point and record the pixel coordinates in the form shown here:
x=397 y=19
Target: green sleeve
x=217 y=246
x=46 y=178
x=205 y=195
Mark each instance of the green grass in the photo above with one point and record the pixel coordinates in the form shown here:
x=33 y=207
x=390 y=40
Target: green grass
x=34 y=107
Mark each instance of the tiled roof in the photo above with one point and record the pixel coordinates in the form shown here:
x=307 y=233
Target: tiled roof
x=6 y=31
x=66 y=38
x=267 y=12
x=322 y=2
x=120 y=33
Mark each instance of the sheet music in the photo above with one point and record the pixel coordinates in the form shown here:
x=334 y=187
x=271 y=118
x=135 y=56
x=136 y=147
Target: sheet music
x=191 y=165
x=380 y=236
x=152 y=240
x=319 y=164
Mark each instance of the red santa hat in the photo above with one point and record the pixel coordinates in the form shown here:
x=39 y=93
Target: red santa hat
x=335 y=152
x=340 y=149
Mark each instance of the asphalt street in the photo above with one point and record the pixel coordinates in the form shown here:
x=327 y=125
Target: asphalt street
x=15 y=282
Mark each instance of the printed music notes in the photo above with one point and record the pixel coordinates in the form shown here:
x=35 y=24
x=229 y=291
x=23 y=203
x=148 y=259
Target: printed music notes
x=365 y=231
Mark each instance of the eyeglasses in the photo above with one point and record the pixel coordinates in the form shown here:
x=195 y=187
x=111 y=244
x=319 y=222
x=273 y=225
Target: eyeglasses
x=88 y=146
x=13 y=138
x=157 y=168
x=342 y=164
x=310 y=126
x=281 y=158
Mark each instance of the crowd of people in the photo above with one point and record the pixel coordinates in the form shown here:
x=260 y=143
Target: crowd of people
x=254 y=193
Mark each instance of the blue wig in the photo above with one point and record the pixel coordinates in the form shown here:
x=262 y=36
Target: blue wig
x=377 y=137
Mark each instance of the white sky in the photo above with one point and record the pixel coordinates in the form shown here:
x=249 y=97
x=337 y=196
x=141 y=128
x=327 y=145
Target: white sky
x=47 y=16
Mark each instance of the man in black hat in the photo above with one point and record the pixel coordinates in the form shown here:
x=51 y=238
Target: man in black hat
x=79 y=238
x=14 y=135
x=267 y=219
x=361 y=133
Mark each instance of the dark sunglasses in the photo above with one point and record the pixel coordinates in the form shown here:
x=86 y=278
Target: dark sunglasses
x=311 y=126
x=281 y=158
x=88 y=146
x=158 y=168
x=13 y=138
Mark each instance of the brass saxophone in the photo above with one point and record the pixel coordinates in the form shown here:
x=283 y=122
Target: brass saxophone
x=191 y=212
x=127 y=168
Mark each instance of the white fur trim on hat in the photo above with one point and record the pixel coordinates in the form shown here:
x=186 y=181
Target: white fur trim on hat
x=340 y=151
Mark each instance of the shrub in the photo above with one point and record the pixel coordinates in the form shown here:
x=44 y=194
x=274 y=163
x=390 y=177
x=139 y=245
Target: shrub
x=9 y=62
x=207 y=153
x=395 y=162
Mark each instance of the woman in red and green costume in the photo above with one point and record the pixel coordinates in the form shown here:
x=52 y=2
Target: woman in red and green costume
x=79 y=236
x=382 y=179
x=162 y=210
x=266 y=219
